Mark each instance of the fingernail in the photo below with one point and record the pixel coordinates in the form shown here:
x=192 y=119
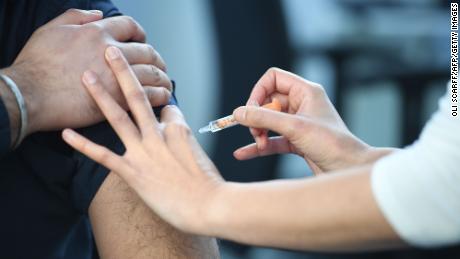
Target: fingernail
x=98 y=12
x=89 y=77
x=113 y=53
x=168 y=106
x=68 y=134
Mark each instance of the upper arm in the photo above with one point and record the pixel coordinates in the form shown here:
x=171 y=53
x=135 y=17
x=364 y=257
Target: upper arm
x=124 y=227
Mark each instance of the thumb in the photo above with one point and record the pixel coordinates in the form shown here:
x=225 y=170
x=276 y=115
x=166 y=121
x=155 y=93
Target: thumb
x=77 y=17
x=258 y=117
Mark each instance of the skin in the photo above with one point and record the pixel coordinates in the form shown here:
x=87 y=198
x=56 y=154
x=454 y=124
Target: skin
x=55 y=101
x=167 y=168
x=309 y=125
x=56 y=48
x=124 y=227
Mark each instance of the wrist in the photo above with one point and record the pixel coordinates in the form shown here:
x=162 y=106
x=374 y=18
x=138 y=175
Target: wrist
x=372 y=154
x=25 y=87
x=12 y=110
x=217 y=212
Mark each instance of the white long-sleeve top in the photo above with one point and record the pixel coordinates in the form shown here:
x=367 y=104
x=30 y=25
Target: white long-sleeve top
x=418 y=187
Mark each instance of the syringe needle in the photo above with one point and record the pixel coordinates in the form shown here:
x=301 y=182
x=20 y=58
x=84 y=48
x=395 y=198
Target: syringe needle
x=204 y=129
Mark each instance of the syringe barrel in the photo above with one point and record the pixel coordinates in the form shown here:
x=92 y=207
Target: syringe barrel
x=223 y=123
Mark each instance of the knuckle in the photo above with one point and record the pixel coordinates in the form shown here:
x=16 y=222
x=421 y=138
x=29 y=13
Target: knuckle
x=254 y=116
x=131 y=22
x=134 y=25
x=155 y=58
x=169 y=86
x=313 y=91
x=137 y=95
x=104 y=156
x=74 y=11
x=155 y=72
x=273 y=70
x=160 y=96
x=120 y=118
x=93 y=29
x=153 y=55
x=177 y=129
x=166 y=95
x=317 y=90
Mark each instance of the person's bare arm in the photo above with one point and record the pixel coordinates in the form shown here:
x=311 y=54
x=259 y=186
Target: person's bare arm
x=124 y=227
x=335 y=212
x=166 y=167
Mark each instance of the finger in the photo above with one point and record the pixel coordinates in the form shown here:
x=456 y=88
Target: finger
x=177 y=135
x=273 y=80
x=275 y=145
x=151 y=75
x=132 y=90
x=96 y=152
x=157 y=96
x=262 y=140
x=282 y=123
x=180 y=140
x=123 y=28
x=261 y=135
x=172 y=114
x=255 y=132
x=117 y=117
x=76 y=17
x=141 y=53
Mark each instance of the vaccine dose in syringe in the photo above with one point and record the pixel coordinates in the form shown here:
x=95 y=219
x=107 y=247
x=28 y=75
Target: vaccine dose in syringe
x=229 y=121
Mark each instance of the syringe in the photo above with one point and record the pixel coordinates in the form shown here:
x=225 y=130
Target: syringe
x=229 y=121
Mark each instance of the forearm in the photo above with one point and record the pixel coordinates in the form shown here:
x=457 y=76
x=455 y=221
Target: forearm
x=372 y=154
x=25 y=85
x=334 y=212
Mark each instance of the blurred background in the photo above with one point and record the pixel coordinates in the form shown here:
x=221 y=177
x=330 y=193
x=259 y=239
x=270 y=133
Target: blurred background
x=384 y=64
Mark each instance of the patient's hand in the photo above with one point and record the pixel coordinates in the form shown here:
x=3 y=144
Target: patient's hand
x=309 y=125
x=48 y=69
x=163 y=162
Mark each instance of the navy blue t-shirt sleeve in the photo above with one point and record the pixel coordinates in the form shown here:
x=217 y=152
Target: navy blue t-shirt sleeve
x=5 y=134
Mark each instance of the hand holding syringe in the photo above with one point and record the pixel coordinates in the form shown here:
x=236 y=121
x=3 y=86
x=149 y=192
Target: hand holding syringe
x=229 y=121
